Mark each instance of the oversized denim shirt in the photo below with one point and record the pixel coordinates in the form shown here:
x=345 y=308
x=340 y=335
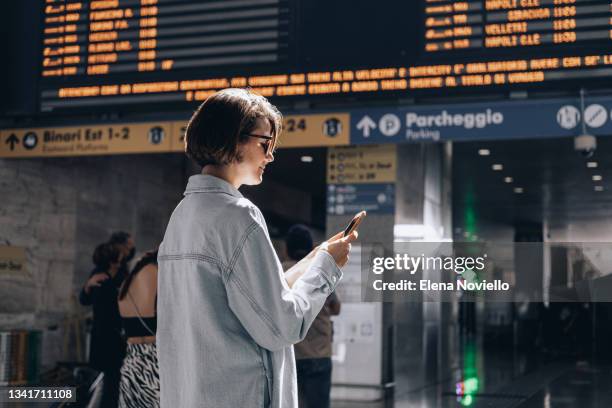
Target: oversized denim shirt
x=227 y=320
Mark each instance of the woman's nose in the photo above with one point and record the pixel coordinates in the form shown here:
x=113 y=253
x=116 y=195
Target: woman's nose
x=270 y=157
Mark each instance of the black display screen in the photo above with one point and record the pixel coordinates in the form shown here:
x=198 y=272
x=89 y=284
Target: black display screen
x=120 y=53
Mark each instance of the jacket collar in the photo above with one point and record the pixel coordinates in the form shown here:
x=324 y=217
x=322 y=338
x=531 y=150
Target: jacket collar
x=205 y=183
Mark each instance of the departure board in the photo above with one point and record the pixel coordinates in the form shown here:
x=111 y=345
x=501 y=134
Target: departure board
x=489 y=24
x=101 y=37
x=117 y=54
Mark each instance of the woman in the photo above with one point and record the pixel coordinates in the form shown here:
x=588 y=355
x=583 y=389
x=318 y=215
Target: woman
x=139 y=387
x=227 y=316
x=107 y=347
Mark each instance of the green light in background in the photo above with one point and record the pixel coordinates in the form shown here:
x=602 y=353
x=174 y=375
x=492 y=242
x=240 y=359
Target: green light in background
x=470 y=220
x=468 y=388
x=470 y=385
x=467 y=401
x=469 y=215
x=469 y=361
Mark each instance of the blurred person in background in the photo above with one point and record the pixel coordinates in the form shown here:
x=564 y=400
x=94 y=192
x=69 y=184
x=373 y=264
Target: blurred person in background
x=107 y=346
x=227 y=315
x=139 y=386
x=313 y=354
x=124 y=242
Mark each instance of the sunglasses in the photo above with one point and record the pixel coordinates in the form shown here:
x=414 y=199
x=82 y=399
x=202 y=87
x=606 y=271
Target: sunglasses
x=269 y=145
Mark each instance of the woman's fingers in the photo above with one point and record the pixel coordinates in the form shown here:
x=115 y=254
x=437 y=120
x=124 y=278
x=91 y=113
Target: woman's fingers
x=340 y=235
x=336 y=237
x=340 y=249
x=352 y=237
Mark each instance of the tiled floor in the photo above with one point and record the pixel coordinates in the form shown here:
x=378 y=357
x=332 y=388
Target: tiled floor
x=503 y=380
x=489 y=379
x=553 y=386
x=582 y=386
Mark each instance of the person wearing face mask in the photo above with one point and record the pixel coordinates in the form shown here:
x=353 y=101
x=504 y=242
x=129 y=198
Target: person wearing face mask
x=228 y=315
x=107 y=347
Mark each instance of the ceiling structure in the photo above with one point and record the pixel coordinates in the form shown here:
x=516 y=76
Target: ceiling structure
x=551 y=182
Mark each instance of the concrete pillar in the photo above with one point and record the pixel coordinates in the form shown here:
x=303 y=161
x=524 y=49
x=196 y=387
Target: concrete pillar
x=425 y=337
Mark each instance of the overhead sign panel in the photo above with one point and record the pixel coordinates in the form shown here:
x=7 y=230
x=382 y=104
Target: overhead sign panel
x=109 y=55
x=309 y=130
x=86 y=140
x=330 y=129
x=502 y=120
x=482 y=121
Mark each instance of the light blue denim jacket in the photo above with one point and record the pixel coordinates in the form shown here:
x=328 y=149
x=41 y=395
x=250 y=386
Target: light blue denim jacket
x=227 y=320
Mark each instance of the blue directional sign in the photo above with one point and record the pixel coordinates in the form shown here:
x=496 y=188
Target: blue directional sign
x=348 y=199
x=482 y=121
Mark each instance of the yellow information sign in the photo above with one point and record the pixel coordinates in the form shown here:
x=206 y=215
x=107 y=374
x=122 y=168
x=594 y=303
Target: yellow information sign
x=86 y=140
x=298 y=131
x=317 y=130
x=177 y=143
x=12 y=261
x=362 y=164
x=329 y=129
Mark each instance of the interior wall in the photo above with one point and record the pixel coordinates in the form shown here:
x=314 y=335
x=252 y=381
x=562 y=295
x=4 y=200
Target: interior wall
x=58 y=210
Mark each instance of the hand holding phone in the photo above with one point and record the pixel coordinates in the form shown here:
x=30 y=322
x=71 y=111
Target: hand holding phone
x=354 y=224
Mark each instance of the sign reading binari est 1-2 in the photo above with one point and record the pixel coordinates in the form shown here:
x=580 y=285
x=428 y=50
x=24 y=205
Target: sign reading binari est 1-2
x=325 y=129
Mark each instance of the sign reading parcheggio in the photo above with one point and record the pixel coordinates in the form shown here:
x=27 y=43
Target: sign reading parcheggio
x=482 y=121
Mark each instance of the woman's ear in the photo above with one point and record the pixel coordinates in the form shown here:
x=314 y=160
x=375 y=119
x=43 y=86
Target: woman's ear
x=240 y=147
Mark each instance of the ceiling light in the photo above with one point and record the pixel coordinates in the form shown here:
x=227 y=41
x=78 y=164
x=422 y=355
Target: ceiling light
x=592 y=165
x=306 y=159
x=497 y=167
x=518 y=190
x=599 y=188
x=484 y=152
x=508 y=179
x=596 y=177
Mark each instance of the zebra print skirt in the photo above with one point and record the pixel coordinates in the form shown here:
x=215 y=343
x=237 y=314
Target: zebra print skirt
x=139 y=387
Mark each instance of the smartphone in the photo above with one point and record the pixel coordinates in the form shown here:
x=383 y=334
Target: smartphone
x=354 y=223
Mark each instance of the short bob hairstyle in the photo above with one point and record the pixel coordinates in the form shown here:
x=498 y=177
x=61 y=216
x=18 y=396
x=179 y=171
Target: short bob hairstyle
x=223 y=121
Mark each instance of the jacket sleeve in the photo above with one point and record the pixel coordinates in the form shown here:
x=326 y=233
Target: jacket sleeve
x=85 y=298
x=275 y=315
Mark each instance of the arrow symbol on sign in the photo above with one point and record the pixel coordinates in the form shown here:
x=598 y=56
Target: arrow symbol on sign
x=366 y=124
x=12 y=140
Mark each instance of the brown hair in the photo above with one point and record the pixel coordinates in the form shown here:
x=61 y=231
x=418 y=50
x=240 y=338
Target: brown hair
x=104 y=255
x=221 y=123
